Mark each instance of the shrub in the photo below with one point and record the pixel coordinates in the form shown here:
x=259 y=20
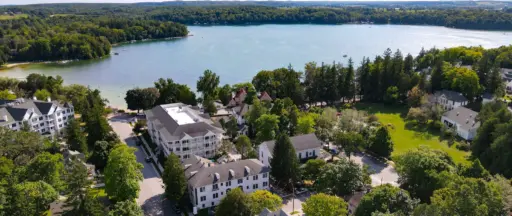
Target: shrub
x=463 y=146
x=436 y=125
x=373 y=118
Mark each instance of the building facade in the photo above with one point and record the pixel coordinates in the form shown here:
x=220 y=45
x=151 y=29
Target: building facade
x=46 y=117
x=306 y=146
x=463 y=120
x=208 y=183
x=449 y=99
x=185 y=131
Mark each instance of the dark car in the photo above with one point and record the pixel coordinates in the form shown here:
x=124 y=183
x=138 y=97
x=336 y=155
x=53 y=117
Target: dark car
x=148 y=159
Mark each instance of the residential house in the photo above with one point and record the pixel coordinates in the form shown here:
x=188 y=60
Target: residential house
x=506 y=74
x=306 y=146
x=183 y=130
x=208 y=183
x=70 y=155
x=464 y=121
x=449 y=99
x=46 y=117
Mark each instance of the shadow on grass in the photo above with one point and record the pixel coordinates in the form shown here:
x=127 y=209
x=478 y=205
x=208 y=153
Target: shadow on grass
x=373 y=108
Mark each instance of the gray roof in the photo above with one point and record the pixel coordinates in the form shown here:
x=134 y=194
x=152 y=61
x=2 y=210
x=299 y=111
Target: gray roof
x=463 y=116
x=169 y=127
x=15 y=110
x=451 y=95
x=300 y=142
x=206 y=175
x=267 y=212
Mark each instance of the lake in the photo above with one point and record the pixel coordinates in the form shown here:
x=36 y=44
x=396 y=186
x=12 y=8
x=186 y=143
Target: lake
x=237 y=53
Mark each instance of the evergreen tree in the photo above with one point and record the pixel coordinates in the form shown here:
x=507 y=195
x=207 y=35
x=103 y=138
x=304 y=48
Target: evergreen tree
x=75 y=138
x=77 y=188
x=349 y=81
x=284 y=162
x=174 y=178
x=381 y=143
x=436 y=79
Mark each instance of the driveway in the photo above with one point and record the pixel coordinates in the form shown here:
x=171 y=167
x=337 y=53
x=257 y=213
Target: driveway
x=151 y=191
x=383 y=173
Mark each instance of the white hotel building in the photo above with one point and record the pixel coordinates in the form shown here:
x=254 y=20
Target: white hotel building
x=180 y=129
x=208 y=183
x=46 y=117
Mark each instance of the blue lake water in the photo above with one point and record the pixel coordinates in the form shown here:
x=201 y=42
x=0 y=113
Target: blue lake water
x=237 y=53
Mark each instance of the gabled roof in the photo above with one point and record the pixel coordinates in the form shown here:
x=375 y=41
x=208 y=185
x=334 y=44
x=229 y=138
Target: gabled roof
x=451 y=95
x=265 y=97
x=300 y=142
x=206 y=175
x=464 y=117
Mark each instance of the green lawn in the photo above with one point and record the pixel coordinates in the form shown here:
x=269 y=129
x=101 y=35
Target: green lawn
x=99 y=192
x=15 y=16
x=405 y=139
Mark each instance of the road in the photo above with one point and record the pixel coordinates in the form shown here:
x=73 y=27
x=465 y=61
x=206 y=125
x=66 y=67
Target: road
x=151 y=191
x=383 y=173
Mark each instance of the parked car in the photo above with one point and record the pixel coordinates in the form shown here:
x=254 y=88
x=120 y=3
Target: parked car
x=148 y=159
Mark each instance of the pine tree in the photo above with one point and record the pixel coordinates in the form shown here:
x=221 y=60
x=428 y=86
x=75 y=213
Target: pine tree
x=436 y=78
x=349 y=81
x=284 y=163
x=75 y=138
x=381 y=143
x=174 y=178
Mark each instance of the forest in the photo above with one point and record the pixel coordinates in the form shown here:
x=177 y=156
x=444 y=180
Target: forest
x=76 y=37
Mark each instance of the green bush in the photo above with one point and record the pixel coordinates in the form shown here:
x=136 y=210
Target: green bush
x=436 y=125
x=463 y=146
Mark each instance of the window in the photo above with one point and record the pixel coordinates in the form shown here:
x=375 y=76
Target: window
x=240 y=181
x=60 y=120
x=58 y=113
x=177 y=149
x=247 y=178
x=177 y=142
x=215 y=195
x=201 y=189
x=65 y=123
x=34 y=119
x=60 y=125
x=207 y=152
x=40 y=118
x=207 y=145
x=255 y=186
x=265 y=175
x=207 y=138
x=203 y=198
x=186 y=156
x=255 y=177
x=42 y=124
x=64 y=118
x=185 y=148
x=203 y=205
x=221 y=193
x=43 y=130
x=215 y=187
x=228 y=183
x=13 y=125
x=221 y=184
x=247 y=187
x=265 y=184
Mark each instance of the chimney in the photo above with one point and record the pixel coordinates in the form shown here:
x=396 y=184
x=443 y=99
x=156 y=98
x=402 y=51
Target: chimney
x=467 y=121
x=5 y=118
x=193 y=173
x=217 y=177
x=187 y=166
x=457 y=113
x=35 y=98
x=231 y=173
x=49 y=99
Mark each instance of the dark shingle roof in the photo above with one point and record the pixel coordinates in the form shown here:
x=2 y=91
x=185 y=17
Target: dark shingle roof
x=206 y=175
x=17 y=113
x=451 y=95
x=44 y=107
x=300 y=142
x=463 y=116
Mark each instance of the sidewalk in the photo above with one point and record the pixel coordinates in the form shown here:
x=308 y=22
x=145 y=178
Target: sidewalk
x=152 y=155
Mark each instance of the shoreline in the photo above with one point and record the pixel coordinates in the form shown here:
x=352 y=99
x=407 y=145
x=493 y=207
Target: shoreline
x=21 y=64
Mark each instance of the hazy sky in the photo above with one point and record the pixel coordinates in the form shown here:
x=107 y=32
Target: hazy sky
x=20 y=2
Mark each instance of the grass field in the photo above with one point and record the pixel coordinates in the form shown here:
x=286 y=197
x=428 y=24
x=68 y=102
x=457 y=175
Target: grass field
x=405 y=139
x=15 y=16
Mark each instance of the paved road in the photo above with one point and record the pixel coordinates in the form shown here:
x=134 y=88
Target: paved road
x=151 y=191
x=383 y=173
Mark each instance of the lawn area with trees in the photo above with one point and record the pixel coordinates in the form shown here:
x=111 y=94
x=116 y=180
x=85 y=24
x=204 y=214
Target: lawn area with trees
x=405 y=139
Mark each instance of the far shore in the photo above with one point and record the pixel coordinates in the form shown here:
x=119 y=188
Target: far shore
x=21 y=64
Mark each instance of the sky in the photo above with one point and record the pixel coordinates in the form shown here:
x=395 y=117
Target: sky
x=22 y=2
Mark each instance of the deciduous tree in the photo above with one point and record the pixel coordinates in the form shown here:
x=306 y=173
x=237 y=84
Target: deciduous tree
x=75 y=138
x=266 y=127
x=312 y=169
x=386 y=198
x=48 y=168
x=243 y=145
x=31 y=198
x=207 y=84
x=340 y=178
x=324 y=205
x=123 y=173
x=381 y=143
x=264 y=199
x=235 y=203
x=126 y=208
x=174 y=178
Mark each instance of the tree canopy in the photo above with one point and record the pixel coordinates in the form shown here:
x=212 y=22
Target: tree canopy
x=173 y=178
x=324 y=205
x=123 y=173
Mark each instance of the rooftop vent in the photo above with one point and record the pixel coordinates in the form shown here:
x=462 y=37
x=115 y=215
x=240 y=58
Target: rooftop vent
x=5 y=118
x=49 y=99
x=187 y=165
x=217 y=176
x=35 y=98
x=231 y=173
x=193 y=173
x=467 y=121
x=457 y=113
